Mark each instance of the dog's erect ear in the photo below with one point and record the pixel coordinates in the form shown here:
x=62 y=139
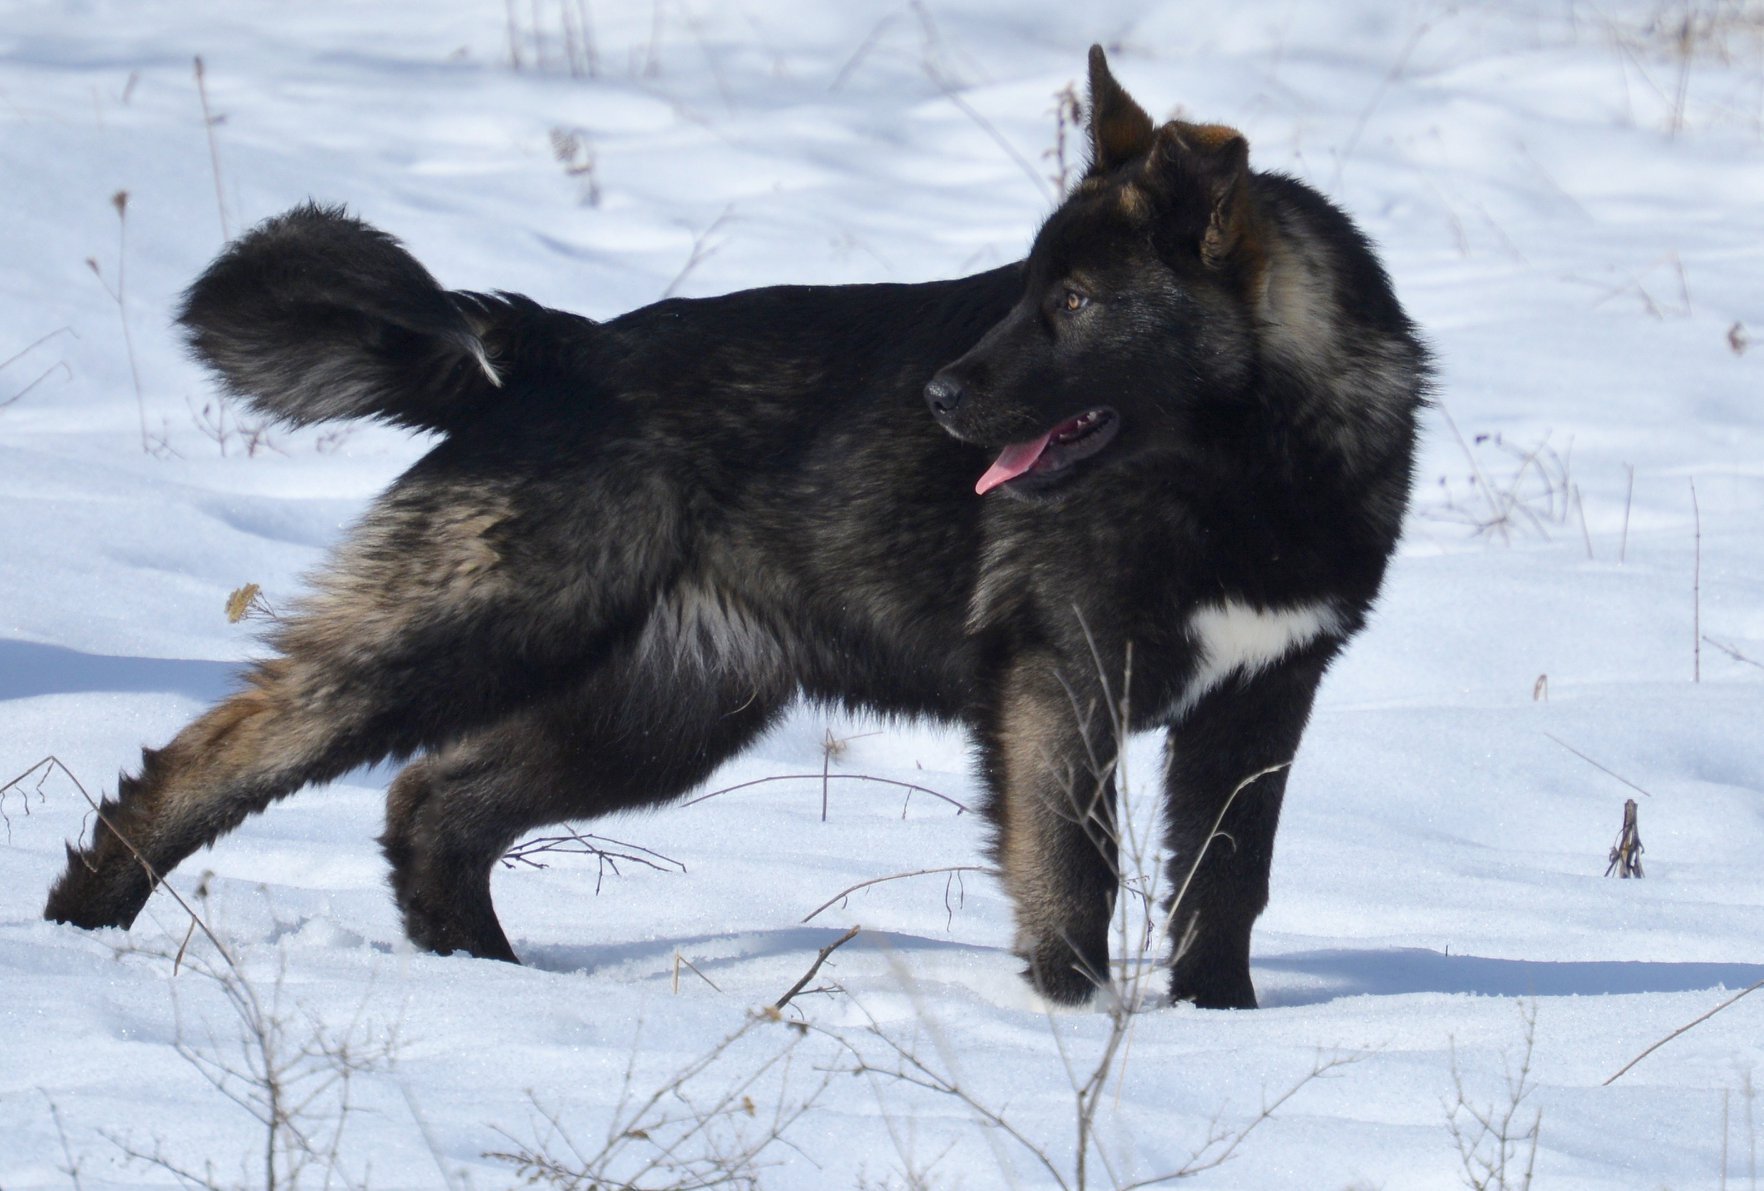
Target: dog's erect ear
x=1205 y=168
x=1119 y=128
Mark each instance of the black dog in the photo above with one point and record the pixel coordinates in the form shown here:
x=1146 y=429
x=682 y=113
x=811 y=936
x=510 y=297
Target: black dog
x=1165 y=463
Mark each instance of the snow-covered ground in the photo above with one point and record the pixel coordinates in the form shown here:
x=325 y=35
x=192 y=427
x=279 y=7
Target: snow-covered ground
x=1570 y=195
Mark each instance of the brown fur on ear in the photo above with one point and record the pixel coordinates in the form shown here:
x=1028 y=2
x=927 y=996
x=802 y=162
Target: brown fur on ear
x=1119 y=128
x=1208 y=165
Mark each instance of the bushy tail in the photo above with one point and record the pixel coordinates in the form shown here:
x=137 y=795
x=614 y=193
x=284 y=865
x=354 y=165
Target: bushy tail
x=313 y=316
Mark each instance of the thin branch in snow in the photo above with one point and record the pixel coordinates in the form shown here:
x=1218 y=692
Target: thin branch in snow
x=820 y=959
x=1747 y=991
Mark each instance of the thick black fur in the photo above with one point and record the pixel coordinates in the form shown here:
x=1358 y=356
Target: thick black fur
x=639 y=540
x=315 y=316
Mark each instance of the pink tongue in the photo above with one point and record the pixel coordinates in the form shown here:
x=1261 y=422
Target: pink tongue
x=1012 y=462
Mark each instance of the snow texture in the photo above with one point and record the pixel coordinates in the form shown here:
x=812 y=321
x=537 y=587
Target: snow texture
x=1570 y=196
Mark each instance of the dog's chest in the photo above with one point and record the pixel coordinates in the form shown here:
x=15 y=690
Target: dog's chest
x=1230 y=638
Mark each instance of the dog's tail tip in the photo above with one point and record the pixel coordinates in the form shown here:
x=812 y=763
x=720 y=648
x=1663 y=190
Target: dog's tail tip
x=475 y=347
x=314 y=315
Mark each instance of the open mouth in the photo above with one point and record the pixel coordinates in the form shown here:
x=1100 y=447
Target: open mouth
x=1045 y=459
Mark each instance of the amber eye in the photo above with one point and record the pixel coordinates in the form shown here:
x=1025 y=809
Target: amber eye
x=1073 y=301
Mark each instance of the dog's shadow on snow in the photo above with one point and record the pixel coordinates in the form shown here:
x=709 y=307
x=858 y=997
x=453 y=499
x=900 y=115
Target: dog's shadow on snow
x=28 y=669
x=1284 y=981
x=1316 y=977
x=711 y=952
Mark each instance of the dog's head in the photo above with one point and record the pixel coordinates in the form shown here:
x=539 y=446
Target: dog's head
x=1135 y=309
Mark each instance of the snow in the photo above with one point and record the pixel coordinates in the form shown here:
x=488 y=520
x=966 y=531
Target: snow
x=1572 y=210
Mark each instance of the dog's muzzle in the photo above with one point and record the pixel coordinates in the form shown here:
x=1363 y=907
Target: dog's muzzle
x=945 y=394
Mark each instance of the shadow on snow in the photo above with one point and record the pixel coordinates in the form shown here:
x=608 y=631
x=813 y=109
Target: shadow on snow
x=28 y=669
x=1315 y=977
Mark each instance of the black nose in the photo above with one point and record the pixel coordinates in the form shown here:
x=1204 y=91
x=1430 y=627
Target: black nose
x=945 y=394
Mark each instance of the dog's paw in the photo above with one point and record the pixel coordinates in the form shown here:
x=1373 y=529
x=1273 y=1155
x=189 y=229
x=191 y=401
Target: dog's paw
x=1061 y=975
x=1213 y=988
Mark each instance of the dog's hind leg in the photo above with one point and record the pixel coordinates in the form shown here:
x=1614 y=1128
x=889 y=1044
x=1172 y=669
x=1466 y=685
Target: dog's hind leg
x=434 y=621
x=627 y=737
x=260 y=744
x=1049 y=755
x=1221 y=818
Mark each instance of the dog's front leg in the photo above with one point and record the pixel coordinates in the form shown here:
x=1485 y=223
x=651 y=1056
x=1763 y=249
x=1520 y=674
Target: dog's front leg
x=1226 y=774
x=1050 y=761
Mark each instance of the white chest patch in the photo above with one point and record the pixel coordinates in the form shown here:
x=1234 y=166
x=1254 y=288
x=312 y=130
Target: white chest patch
x=1231 y=637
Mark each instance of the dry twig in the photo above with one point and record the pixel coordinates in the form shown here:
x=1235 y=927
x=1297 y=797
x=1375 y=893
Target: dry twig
x=947 y=88
x=702 y=250
x=1733 y=653
x=923 y=872
x=689 y=1133
x=577 y=843
x=1750 y=988
x=820 y=959
x=1602 y=769
x=911 y=789
x=1489 y=1138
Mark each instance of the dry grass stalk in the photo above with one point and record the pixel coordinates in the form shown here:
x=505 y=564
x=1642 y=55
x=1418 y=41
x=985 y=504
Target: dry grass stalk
x=1601 y=768
x=119 y=294
x=41 y=376
x=248 y=603
x=1627 y=851
x=709 y=1125
x=1748 y=990
x=1068 y=114
x=1533 y=490
x=209 y=120
x=1696 y=588
x=1491 y=1138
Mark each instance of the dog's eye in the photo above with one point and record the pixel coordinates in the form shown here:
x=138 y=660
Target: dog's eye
x=1073 y=301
